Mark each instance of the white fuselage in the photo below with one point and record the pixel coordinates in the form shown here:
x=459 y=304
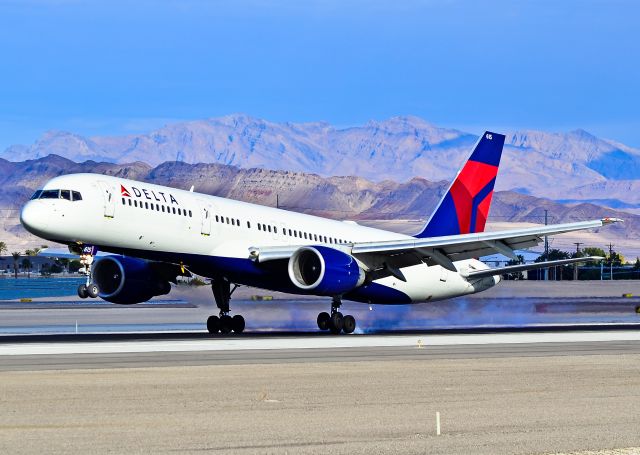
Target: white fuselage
x=209 y=234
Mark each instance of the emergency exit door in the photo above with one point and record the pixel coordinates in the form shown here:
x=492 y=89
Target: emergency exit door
x=109 y=199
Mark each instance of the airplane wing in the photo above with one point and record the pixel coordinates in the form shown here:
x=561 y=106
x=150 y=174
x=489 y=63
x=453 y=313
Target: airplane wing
x=387 y=257
x=533 y=266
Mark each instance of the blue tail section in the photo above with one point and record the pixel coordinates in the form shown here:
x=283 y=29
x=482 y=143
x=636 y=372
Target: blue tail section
x=465 y=206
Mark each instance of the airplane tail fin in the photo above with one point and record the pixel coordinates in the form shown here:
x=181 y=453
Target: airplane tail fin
x=465 y=206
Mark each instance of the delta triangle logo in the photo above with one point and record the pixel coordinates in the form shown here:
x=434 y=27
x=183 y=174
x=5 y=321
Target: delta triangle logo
x=124 y=191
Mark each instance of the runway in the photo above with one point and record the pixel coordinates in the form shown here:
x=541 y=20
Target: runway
x=170 y=349
x=531 y=375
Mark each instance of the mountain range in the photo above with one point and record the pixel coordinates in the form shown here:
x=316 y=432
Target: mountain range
x=570 y=167
x=339 y=197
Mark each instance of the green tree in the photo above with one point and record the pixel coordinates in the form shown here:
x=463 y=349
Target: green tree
x=16 y=255
x=594 y=251
x=3 y=248
x=515 y=275
x=26 y=265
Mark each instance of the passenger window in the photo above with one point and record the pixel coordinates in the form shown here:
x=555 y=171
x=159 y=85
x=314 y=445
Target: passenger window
x=146 y=205
x=237 y=222
x=124 y=201
x=315 y=237
x=275 y=230
x=76 y=196
x=259 y=227
x=190 y=213
x=269 y=228
x=305 y=236
x=174 y=210
x=135 y=203
x=65 y=194
x=248 y=225
x=180 y=213
x=129 y=200
x=163 y=209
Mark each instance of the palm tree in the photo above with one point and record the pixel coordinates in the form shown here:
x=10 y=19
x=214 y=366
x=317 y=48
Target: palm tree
x=26 y=265
x=16 y=256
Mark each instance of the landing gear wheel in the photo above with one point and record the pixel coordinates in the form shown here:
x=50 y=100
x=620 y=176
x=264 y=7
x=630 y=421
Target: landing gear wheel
x=336 y=322
x=348 y=324
x=226 y=324
x=82 y=291
x=93 y=291
x=324 y=320
x=237 y=322
x=213 y=324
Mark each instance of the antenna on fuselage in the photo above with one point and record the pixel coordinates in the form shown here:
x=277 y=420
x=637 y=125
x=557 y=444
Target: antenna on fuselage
x=191 y=189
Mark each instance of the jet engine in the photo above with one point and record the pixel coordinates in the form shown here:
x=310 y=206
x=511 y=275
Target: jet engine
x=324 y=271
x=126 y=280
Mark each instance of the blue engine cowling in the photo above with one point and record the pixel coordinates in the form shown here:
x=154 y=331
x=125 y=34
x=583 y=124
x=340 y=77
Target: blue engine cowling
x=126 y=280
x=324 y=271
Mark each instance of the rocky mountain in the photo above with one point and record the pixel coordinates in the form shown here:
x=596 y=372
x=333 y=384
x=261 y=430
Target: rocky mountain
x=352 y=198
x=544 y=164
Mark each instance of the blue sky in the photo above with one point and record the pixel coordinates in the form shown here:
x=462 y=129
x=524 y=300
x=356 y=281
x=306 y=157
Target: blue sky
x=121 y=67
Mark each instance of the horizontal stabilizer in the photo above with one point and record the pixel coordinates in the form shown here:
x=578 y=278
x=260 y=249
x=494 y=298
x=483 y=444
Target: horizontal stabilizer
x=533 y=266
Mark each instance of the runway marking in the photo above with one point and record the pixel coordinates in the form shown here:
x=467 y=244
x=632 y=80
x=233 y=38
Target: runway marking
x=353 y=341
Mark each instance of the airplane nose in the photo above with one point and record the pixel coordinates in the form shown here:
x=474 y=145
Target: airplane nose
x=33 y=218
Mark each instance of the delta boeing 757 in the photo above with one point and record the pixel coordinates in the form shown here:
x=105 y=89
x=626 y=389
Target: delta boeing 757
x=148 y=235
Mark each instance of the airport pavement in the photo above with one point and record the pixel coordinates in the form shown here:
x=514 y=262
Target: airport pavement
x=500 y=403
x=167 y=393
x=519 y=393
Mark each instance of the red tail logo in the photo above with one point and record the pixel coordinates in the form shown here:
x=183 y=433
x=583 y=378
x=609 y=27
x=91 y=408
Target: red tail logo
x=124 y=191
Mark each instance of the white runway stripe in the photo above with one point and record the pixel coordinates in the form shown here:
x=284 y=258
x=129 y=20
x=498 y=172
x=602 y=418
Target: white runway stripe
x=309 y=342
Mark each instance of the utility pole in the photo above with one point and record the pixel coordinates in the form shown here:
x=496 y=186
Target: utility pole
x=610 y=261
x=575 y=266
x=546 y=246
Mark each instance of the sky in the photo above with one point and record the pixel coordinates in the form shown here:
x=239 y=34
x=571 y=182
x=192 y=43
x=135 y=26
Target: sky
x=122 y=67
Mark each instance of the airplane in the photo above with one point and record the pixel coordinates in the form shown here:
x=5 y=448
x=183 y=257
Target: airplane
x=137 y=238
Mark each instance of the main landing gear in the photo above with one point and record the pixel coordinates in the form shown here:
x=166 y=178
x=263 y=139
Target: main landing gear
x=224 y=323
x=336 y=322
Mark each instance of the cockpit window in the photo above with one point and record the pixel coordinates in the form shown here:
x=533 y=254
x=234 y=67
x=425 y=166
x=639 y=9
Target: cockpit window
x=50 y=194
x=57 y=194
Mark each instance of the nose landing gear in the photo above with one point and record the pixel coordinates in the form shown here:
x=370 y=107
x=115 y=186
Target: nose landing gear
x=224 y=323
x=88 y=289
x=336 y=322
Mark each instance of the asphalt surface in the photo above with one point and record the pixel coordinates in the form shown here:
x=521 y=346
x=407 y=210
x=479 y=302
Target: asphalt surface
x=520 y=390
x=517 y=398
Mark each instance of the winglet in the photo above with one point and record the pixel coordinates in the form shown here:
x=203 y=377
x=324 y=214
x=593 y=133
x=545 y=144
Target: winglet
x=608 y=220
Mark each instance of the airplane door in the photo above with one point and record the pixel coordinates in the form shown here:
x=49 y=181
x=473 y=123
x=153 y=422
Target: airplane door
x=205 y=215
x=109 y=199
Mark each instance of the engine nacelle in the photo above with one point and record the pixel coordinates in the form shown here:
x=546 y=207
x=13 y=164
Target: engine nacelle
x=126 y=280
x=324 y=271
